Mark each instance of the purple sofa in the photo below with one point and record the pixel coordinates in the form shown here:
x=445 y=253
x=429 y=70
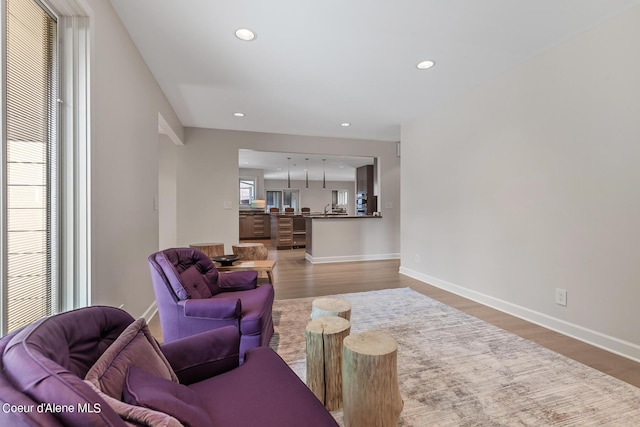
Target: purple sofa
x=43 y=365
x=193 y=297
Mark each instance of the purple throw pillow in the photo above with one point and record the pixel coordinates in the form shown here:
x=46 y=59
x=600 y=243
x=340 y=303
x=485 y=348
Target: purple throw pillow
x=144 y=389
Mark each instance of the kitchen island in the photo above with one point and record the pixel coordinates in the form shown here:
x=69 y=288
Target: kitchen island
x=343 y=238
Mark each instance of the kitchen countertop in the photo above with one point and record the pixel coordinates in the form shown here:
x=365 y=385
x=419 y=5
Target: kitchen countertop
x=313 y=215
x=330 y=216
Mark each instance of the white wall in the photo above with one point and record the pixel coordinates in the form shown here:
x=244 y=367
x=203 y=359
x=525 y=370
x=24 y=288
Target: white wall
x=208 y=176
x=531 y=183
x=346 y=239
x=125 y=102
x=167 y=194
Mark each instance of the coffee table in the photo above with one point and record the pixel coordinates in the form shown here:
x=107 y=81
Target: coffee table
x=258 y=265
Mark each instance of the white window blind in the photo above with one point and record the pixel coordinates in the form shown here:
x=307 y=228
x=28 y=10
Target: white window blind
x=31 y=169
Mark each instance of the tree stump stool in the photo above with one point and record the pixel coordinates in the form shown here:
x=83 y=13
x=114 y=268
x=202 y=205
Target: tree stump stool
x=209 y=249
x=324 y=337
x=330 y=307
x=370 y=380
x=250 y=251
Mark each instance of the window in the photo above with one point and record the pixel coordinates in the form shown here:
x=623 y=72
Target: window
x=247 y=191
x=282 y=199
x=290 y=198
x=44 y=199
x=339 y=197
x=30 y=166
x=274 y=199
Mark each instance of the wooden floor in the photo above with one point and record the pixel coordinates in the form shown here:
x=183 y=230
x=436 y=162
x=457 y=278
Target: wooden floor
x=297 y=278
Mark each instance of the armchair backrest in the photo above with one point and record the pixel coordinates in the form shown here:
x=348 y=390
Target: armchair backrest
x=48 y=359
x=188 y=273
x=9 y=395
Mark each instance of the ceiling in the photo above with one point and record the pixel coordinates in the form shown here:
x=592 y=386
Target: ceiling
x=315 y=65
x=277 y=165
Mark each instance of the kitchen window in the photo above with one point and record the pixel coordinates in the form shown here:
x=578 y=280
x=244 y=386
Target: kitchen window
x=247 y=191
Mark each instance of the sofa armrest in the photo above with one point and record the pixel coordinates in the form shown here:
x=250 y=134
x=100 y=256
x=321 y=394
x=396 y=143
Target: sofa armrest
x=212 y=308
x=204 y=355
x=231 y=281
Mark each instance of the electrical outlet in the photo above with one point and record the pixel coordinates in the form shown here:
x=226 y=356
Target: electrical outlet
x=561 y=297
x=417 y=258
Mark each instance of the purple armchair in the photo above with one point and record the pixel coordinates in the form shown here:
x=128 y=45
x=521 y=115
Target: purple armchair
x=42 y=367
x=193 y=297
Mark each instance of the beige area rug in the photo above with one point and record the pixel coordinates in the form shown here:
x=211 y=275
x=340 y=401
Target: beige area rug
x=457 y=370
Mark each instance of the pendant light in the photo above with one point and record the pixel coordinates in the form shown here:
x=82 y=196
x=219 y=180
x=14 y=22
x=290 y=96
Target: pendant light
x=324 y=173
x=307 y=176
x=288 y=173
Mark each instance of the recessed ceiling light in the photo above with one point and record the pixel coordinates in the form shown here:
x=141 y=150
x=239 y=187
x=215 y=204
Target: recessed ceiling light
x=345 y=124
x=425 y=65
x=245 y=34
x=238 y=114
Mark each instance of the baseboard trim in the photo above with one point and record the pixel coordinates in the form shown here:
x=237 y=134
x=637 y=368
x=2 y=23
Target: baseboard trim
x=609 y=343
x=150 y=312
x=350 y=258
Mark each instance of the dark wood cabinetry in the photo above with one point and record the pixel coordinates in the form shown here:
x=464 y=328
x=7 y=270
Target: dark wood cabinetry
x=260 y=227
x=366 y=202
x=288 y=231
x=282 y=231
x=245 y=227
x=364 y=180
x=255 y=226
x=299 y=231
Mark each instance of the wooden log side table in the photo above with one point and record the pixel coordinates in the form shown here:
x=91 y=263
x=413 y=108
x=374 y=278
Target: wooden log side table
x=209 y=249
x=329 y=306
x=370 y=389
x=250 y=251
x=324 y=337
x=265 y=265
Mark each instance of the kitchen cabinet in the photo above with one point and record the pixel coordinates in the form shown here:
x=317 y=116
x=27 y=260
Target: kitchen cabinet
x=255 y=226
x=246 y=227
x=288 y=231
x=260 y=226
x=364 y=180
x=299 y=233
x=366 y=202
